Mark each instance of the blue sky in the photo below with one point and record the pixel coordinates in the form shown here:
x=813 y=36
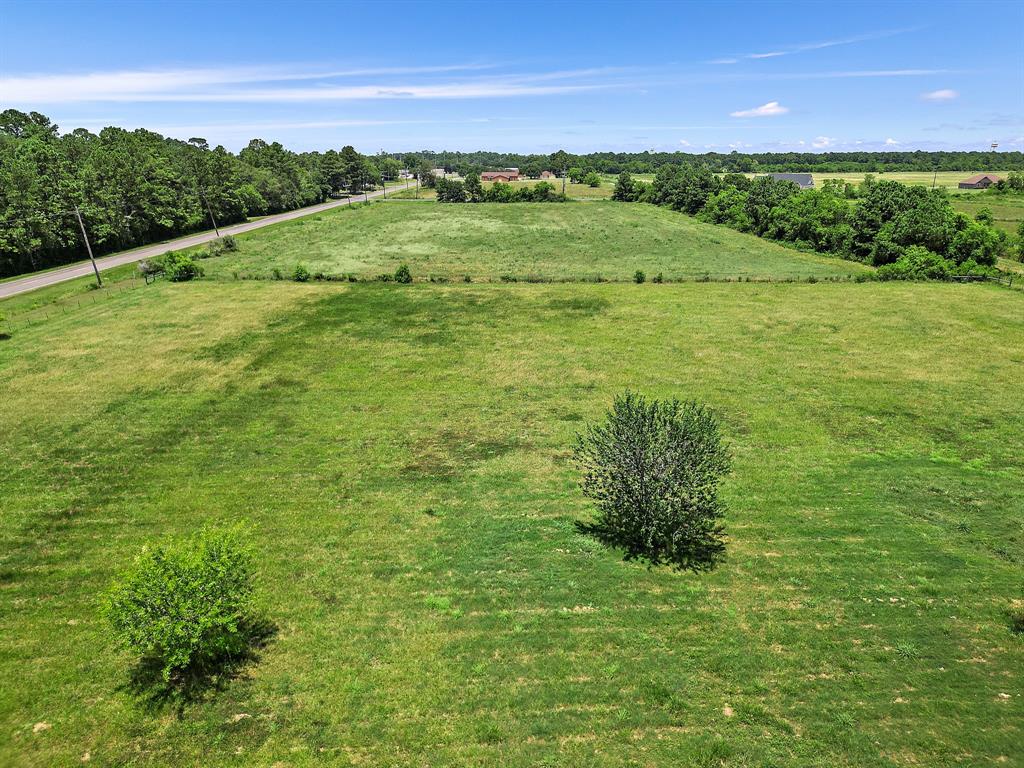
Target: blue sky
x=530 y=77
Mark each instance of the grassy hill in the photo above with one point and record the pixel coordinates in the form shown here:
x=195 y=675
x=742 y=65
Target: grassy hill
x=401 y=453
x=486 y=241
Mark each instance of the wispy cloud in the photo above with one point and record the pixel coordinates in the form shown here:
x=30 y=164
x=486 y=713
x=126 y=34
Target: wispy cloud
x=821 y=142
x=256 y=84
x=827 y=75
x=943 y=94
x=788 y=50
x=771 y=109
x=891 y=142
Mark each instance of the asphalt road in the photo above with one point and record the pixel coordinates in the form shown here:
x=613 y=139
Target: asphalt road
x=59 y=275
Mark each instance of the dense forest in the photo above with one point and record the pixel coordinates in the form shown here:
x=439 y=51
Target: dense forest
x=138 y=187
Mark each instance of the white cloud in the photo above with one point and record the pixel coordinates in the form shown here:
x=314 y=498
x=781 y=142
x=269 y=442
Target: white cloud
x=724 y=61
x=261 y=84
x=891 y=142
x=684 y=142
x=823 y=141
x=739 y=145
x=943 y=94
x=771 y=109
x=769 y=55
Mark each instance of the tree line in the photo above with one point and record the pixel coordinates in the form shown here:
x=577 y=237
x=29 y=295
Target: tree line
x=137 y=187
x=907 y=231
x=532 y=165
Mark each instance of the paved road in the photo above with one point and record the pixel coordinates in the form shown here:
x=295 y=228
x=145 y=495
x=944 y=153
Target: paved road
x=43 y=279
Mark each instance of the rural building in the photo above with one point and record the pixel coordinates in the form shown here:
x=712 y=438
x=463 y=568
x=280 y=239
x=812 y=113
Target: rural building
x=439 y=172
x=547 y=175
x=802 y=180
x=981 y=181
x=508 y=175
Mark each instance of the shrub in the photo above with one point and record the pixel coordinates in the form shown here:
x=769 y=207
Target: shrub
x=276 y=273
x=592 y=180
x=180 y=267
x=300 y=274
x=229 y=243
x=639 y=277
x=1015 y=614
x=653 y=469
x=185 y=606
x=658 y=278
x=402 y=274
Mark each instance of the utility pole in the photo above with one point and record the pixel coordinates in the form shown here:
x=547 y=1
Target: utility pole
x=210 y=211
x=88 y=247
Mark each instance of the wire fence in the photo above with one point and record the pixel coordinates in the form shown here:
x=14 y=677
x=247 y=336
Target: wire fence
x=38 y=315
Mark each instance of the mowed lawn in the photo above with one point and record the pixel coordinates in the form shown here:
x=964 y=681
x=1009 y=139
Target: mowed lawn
x=402 y=455
x=553 y=241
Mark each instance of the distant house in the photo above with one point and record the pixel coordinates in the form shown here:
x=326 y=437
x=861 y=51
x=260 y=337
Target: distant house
x=981 y=181
x=547 y=175
x=802 y=180
x=439 y=172
x=507 y=175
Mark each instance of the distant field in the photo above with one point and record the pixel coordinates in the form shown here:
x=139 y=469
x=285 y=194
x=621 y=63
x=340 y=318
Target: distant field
x=1007 y=211
x=539 y=240
x=401 y=455
x=575 y=191
x=943 y=179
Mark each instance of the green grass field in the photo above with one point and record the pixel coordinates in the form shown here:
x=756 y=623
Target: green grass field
x=401 y=454
x=545 y=240
x=1007 y=210
x=574 y=191
x=947 y=180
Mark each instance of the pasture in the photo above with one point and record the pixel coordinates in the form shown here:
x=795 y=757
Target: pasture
x=551 y=241
x=573 y=191
x=401 y=455
x=947 y=180
x=1007 y=210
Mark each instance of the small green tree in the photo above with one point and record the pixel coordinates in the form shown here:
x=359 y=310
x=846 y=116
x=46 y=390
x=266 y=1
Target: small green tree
x=474 y=189
x=185 y=606
x=639 y=277
x=592 y=179
x=653 y=468
x=403 y=275
x=449 y=191
x=301 y=274
x=625 y=189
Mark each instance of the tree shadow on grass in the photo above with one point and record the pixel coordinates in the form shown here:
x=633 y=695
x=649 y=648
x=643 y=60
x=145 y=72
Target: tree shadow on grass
x=200 y=680
x=703 y=553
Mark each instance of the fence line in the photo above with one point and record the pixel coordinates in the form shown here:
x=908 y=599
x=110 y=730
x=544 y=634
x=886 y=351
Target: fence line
x=37 y=315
